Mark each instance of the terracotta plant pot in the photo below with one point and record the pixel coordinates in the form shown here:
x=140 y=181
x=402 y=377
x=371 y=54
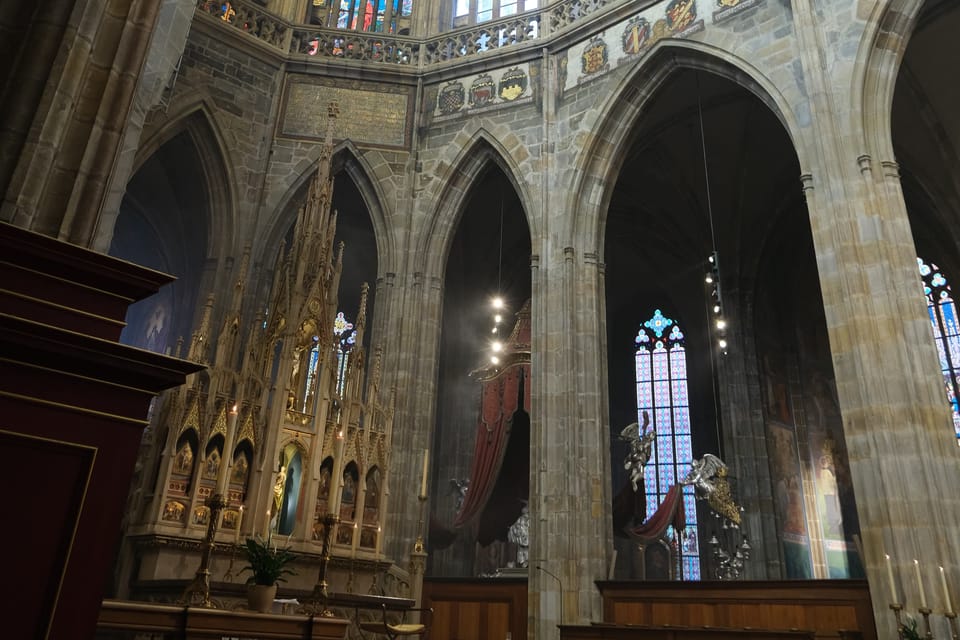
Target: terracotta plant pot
x=260 y=597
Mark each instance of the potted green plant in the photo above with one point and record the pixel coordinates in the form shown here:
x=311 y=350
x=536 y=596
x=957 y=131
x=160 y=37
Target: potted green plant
x=267 y=567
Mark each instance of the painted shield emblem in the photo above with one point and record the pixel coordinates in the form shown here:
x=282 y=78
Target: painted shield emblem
x=594 y=58
x=636 y=34
x=482 y=91
x=513 y=84
x=450 y=99
x=680 y=13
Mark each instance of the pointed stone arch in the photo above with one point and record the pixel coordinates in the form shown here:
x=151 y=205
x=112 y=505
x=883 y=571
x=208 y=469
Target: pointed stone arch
x=197 y=121
x=882 y=47
x=357 y=165
x=602 y=158
x=474 y=159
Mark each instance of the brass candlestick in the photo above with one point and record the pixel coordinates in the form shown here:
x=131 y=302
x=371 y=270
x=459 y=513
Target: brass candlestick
x=316 y=604
x=897 y=609
x=926 y=622
x=197 y=593
x=952 y=618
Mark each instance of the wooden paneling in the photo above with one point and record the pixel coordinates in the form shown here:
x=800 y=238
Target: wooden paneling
x=73 y=404
x=118 y=619
x=825 y=606
x=632 y=632
x=480 y=609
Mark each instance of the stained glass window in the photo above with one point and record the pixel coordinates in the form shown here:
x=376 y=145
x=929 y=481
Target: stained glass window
x=661 y=367
x=346 y=338
x=946 y=333
x=361 y=15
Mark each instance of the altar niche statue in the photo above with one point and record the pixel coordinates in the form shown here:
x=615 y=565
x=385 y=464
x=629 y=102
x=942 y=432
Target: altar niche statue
x=278 y=488
x=519 y=534
x=641 y=446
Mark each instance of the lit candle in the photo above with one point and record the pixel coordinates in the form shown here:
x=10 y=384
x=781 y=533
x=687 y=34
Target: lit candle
x=923 y=596
x=946 y=591
x=227 y=451
x=239 y=522
x=266 y=526
x=893 y=586
x=423 y=479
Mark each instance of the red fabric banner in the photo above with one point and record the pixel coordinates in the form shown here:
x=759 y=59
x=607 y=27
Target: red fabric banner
x=670 y=512
x=499 y=400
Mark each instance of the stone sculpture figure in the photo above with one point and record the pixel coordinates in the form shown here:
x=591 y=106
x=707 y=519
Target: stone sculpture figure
x=519 y=534
x=641 y=446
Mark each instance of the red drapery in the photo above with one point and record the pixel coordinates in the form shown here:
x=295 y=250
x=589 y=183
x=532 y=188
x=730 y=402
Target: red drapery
x=670 y=512
x=499 y=399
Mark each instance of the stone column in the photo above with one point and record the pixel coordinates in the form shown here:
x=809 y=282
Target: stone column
x=60 y=180
x=571 y=536
x=897 y=424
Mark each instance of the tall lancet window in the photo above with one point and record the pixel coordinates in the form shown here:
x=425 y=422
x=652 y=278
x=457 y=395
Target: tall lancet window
x=946 y=333
x=346 y=337
x=661 y=364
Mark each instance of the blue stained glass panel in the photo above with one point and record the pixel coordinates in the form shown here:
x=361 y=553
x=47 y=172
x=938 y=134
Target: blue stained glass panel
x=932 y=310
x=678 y=365
x=643 y=366
x=662 y=387
x=691 y=568
x=664 y=449
x=944 y=325
x=663 y=421
x=681 y=420
x=661 y=393
x=644 y=399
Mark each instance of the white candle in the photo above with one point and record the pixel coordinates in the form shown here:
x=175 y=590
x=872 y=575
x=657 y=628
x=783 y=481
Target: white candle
x=893 y=586
x=266 y=526
x=423 y=479
x=923 y=596
x=239 y=522
x=946 y=591
x=227 y=452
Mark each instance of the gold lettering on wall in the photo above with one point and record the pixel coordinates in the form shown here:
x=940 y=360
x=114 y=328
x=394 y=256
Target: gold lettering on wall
x=371 y=114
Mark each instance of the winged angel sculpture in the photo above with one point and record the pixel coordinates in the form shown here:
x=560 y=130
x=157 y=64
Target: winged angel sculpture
x=708 y=475
x=641 y=445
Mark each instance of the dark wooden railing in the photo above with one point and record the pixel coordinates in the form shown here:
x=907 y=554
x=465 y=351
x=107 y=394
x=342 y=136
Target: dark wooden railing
x=122 y=620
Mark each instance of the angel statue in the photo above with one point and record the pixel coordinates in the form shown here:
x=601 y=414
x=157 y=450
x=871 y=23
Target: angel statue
x=702 y=474
x=708 y=475
x=641 y=444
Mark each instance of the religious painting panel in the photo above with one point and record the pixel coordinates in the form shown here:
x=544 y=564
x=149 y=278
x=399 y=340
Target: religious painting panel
x=788 y=498
x=173 y=511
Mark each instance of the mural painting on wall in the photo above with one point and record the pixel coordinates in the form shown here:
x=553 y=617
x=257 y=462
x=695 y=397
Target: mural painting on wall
x=512 y=84
x=451 y=98
x=788 y=496
x=482 y=91
x=561 y=63
x=595 y=59
x=536 y=84
x=836 y=510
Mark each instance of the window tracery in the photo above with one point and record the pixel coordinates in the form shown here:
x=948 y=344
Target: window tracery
x=946 y=332
x=661 y=374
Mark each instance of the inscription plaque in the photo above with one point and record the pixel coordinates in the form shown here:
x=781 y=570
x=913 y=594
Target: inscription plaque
x=369 y=113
